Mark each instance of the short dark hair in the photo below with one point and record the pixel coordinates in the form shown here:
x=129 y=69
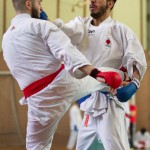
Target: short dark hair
x=20 y=4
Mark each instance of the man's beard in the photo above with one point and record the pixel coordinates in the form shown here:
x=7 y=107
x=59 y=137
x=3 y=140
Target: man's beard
x=100 y=13
x=34 y=13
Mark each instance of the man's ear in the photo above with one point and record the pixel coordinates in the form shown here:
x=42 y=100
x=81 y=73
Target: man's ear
x=110 y=4
x=28 y=5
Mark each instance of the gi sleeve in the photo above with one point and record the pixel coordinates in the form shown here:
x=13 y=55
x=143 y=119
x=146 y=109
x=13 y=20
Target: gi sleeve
x=74 y=29
x=133 y=53
x=60 y=46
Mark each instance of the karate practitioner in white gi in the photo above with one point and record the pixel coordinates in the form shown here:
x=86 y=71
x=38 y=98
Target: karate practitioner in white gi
x=33 y=50
x=75 y=119
x=142 y=140
x=106 y=43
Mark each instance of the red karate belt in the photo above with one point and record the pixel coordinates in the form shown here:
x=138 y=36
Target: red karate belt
x=40 y=84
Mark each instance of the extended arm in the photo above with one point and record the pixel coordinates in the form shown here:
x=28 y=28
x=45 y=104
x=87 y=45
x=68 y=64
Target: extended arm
x=135 y=62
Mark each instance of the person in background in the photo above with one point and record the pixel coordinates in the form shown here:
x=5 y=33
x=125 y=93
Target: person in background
x=132 y=118
x=142 y=139
x=127 y=112
x=75 y=119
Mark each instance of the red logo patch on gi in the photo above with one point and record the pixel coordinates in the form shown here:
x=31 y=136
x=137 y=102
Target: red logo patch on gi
x=86 y=120
x=108 y=42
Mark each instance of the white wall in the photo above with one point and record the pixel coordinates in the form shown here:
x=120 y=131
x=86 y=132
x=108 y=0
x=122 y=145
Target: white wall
x=50 y=7
x=68 y=10
x=129 y=13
